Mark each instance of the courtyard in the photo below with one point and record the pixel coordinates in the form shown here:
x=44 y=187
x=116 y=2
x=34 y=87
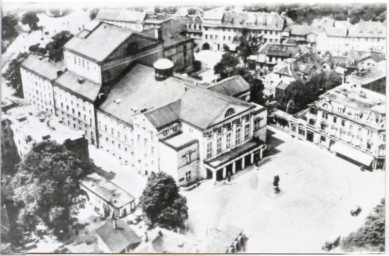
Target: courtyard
x=318 y=190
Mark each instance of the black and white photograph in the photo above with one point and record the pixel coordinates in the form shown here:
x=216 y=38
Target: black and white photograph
x=193 y=127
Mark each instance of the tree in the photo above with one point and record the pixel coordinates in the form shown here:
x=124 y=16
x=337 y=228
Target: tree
x=51 y=174
x=256 y=93
x=161 y=203
x=226 y=65
x=12 y=74
x=9 y=23
x=371 y=236
x=55 y=47
x=31 y=19
x=93 y=14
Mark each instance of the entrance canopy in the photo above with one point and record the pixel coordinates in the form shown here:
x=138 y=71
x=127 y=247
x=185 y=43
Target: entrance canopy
x=235 y=153
x=352 y=153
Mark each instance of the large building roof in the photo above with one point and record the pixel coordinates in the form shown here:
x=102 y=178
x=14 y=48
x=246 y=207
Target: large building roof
x=369 y=75
x=43 y=67
x=368 y=29
x=80 y=86
x=336 y=32
x=119 y=238
x=100 y=42
x=138 y=91
x=301 y=30
x=165 y=115
x=121 y=15
x=232 y=86
x=106 y=190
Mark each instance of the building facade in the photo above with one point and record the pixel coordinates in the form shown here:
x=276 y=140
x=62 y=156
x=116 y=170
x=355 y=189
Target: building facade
x=222 y=27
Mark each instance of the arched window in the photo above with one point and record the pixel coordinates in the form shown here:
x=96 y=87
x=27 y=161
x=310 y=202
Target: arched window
x=229 y=112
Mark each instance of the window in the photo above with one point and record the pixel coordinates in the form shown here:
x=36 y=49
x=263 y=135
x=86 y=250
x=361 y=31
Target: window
x=237 y=136
x=229 y=112
x=325 y=115
x=145 y=143
x=343 y=123
x=188 y=157
x=247 y=131
x=228 y=141
x=209 y=149
x=188 y=176
x=369 y=133
x=335 y=119
x=219 y=145
x=175 y=128
x=323 y=126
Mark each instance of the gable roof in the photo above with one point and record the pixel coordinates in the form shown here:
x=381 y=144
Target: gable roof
x=87 y=89
x=165 y=115
x=232 y=86
x=117 y=239
x=100 y=42
x=121 y=15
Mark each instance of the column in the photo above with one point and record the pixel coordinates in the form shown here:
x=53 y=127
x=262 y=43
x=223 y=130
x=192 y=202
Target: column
x=252 y=158
x=233 y=168
x=224 y=172
x=261 y=154
x=214 y=175
x=243 y=163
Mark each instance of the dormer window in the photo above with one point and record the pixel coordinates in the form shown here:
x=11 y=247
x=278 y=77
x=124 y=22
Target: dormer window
x=229 y=112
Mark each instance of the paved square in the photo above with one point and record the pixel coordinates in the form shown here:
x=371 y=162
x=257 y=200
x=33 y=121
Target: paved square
x=318 y=190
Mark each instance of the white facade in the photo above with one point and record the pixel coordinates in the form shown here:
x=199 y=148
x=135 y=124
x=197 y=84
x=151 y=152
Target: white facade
x=83 y=67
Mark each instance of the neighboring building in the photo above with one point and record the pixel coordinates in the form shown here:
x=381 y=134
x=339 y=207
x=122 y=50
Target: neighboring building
x=31 y=128
x=107 y=197
x=281 y=91
x=116 y=236
x=161 y=240
x=348 y=120
x=222 y=27
x=134 y=20
x=234 y=86
x=363 y=36
x=303 y=35
x=302 y=67
x=194 y=28
x=229 y=239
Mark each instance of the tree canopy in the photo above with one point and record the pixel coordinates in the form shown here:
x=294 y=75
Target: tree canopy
x=161 y=203
x=9 y=24
x=12 y=74
x=55 y=47
x=46 y=188
x=31 y=19
x=371 y=236
x=226 y=65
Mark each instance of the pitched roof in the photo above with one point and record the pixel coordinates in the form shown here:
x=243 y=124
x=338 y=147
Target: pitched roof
x=165 y=115
x=197 y=103
x=43 y=66
x=117 y=239
x=282 y=86
x=121 y=15
x=232 y=86
x=368 y=29
x=100 y=43
x=85 y=88
x=300 y=30
x=106 y=190
x=337 y=32
x=138 y=90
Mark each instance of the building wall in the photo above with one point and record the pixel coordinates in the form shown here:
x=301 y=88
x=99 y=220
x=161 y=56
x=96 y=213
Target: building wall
x=83 y=67
x=338 y=45
x=273 y=79
x=181 y=55
x=37 y=90
x=76 y=112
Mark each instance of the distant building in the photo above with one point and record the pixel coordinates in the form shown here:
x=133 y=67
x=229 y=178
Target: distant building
x=116 y=236
x=194 y=28
x=221 y=27
x=107 y=197
x=363 y=36
x=349 y=120
x=303 y=35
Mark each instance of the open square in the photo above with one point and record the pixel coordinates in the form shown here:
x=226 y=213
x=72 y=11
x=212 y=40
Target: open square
x=318 y=190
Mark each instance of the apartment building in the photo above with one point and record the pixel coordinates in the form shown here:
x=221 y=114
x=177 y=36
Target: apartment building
x=349 y=120
x=363 y=36
x=222 y=27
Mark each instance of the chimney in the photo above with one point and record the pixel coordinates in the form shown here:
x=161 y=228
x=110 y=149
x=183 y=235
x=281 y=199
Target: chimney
x=158 y=32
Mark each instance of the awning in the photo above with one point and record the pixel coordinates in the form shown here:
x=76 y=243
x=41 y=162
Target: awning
x=352 y=153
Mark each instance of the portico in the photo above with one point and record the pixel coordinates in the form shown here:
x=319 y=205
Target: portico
x=228 y=163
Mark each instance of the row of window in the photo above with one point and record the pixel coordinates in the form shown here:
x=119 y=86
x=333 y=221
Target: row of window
x=219 y=140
